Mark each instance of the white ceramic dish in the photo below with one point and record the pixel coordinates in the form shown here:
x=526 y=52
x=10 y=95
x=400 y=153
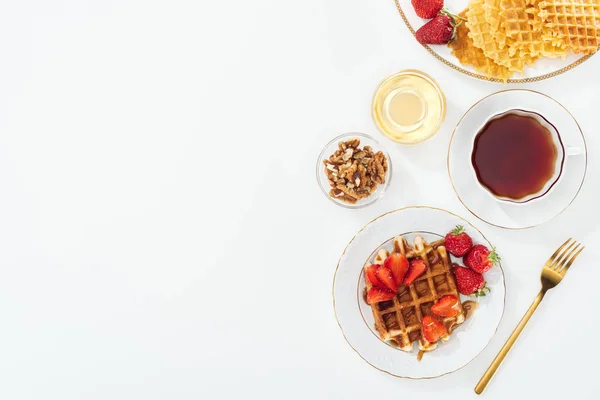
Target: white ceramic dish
x=542 y=69
x=478 y=200
x=355 y=317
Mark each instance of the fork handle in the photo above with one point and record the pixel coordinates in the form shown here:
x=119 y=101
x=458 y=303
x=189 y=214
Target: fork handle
x=487 y=377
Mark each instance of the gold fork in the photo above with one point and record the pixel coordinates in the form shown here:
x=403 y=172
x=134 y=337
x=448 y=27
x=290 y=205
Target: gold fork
x=553 y=272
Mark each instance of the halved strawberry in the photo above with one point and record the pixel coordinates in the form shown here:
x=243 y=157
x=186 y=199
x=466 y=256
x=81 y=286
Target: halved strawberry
x=433 y=330
x=384 y=275
x=398 y=264
x=371 y=276
x=415 y=270
x=376 y=295
x=446 y=306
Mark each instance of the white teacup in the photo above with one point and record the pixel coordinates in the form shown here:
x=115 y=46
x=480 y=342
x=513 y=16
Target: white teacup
x=561 y=153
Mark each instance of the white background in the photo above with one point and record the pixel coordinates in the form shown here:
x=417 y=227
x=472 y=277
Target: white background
x=162 y=235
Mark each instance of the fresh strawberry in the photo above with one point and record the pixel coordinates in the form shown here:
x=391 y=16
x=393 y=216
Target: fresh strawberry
x=433 y=330
x=458 y=242
x=446 y=306
x=470 y=282
x=440 y=30
x=398 y=264
x=371 y=276
x=480 y=259
x=384 y=275
x=427 y=8
x=416 y=269
x=376 y=295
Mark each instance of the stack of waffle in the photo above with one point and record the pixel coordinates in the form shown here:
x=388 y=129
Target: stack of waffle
x=399 y=320
x=500 y=37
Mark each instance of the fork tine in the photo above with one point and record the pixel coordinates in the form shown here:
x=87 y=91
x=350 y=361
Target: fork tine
x=566 y=266
x=553 y=256
x=563 y=256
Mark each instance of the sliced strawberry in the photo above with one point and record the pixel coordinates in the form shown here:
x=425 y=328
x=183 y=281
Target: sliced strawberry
x=416 y=269
x=371 y=276
x=376 y=295
x=384 y=275
x=433 y=329
x=398 y=264
x=446 y=306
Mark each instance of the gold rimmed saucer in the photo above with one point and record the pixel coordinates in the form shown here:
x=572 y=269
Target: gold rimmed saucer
x=478 y=200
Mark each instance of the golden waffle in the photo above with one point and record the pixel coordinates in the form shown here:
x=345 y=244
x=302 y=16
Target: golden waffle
x=466 y=52
x=524 y=32
x=491 y=9
x=480 y=32
x=399 y=320
x=577 y=22
x=539 y=24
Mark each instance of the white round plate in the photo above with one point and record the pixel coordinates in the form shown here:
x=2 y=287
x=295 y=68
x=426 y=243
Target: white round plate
x=478 y=200
x=540 y=70
x=356 y=320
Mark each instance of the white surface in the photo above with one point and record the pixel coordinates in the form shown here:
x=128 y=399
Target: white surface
x=356 y=317
x=161 y=239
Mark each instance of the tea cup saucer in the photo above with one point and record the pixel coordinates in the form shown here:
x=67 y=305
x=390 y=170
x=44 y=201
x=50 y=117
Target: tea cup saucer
x=505 y=214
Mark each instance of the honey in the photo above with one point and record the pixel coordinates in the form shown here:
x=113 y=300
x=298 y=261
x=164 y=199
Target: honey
x=405 y=108
x=408 y=107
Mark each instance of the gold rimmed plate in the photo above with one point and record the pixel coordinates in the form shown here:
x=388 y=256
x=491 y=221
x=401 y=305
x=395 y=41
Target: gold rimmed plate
x=504 y=214
x=356 y=320
x=542 y=69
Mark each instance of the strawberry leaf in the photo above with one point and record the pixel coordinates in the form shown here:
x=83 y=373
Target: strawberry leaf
x=493 y=256
x=484 y=291
x=458 y=230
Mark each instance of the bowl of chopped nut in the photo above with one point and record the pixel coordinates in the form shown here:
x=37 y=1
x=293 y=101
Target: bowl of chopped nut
x=354 y=170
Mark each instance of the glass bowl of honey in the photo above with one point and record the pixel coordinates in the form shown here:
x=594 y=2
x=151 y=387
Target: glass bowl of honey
x=408 y=107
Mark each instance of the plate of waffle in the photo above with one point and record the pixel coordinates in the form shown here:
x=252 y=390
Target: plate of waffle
x=508 y=41
x=407 y=305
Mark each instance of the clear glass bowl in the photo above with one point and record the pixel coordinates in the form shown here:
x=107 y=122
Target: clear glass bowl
x=408 y=107
x=331 y=147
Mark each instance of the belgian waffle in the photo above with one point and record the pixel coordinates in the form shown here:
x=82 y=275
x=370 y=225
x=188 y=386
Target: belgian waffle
x=491 y=10
x=480 y=30
x=399 y=320
x=524 y=31
x=577 y=22
x=539 y=24
x=515 y=33
x=466 y=52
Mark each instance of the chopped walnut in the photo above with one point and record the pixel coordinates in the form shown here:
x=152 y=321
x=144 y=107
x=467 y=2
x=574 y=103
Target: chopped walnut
x=354 y=173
